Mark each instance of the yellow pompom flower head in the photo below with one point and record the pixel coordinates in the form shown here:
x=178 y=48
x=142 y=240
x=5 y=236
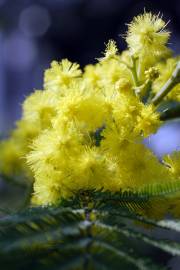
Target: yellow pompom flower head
x=61 y=74
x=147 y=34
x=86 y=129
x=110 y=51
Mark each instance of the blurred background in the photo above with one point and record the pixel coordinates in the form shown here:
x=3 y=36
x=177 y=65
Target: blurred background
x=35 y=32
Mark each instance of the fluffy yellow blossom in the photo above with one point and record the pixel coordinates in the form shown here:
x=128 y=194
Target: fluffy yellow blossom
x=173 y=163
x=68 y=157
x=110 y=51
x=40 y=108
x=72 y=159
x=14 y=150
x=123 y=85
x=141 y=168
x=85 y=130
x=147 y=121
x=60 y=75
x=88 y=109
x=11 y=153
x=108 y=71
x=114 y=70
x=25 y=132
x=92 y=75
x=147 y=35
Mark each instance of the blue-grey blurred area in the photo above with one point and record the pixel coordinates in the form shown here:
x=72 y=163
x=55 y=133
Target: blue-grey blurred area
x=34 y=32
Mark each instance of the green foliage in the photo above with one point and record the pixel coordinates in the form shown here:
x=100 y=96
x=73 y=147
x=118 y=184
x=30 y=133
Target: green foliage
x=93 y=230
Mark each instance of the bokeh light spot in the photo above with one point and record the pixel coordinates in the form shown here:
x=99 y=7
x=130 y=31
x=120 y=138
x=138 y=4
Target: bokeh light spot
x=34 y=21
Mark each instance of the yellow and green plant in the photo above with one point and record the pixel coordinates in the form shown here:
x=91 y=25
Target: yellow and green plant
x=80 y=143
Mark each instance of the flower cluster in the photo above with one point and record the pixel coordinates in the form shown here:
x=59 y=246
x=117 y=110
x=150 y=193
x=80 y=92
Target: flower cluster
x=85 y=130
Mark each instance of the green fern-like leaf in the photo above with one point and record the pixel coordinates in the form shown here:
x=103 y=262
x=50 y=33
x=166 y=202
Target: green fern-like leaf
x=93 y=230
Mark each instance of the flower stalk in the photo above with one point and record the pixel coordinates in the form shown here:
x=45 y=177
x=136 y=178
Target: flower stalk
x=134 y=70
x=175 y=78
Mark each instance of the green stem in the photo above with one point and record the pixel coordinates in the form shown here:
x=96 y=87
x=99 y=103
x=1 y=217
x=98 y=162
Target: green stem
x=134 y=71
x=175 y=78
